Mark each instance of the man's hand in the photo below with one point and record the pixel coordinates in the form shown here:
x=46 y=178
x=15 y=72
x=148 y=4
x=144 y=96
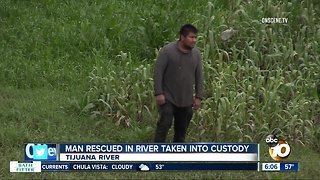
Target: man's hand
x=160 y=99
x=196 y=103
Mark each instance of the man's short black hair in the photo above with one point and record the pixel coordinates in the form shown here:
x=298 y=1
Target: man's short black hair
x=187 y=28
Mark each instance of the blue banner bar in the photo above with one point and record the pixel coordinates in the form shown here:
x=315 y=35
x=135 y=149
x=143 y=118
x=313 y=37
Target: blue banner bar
x=161 y=148
x=61 y=166
x=204 y=166
x=289 y=166
x=55 y=166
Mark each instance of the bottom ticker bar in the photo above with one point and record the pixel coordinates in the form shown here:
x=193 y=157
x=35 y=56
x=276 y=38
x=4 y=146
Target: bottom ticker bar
x=66 y=166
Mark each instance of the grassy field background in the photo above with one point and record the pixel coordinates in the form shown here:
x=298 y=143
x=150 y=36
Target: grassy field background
x=81 y=71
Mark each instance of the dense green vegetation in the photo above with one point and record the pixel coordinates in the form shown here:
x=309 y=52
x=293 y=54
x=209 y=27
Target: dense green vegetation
x=81 y=71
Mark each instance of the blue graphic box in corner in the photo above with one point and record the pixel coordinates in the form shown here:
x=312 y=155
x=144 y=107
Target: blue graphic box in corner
x=40 y=152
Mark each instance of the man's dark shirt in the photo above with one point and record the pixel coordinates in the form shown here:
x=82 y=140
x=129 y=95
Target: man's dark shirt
x=176 y=73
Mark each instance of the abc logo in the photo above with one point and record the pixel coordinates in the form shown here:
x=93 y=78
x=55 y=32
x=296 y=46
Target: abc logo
x=279 y=148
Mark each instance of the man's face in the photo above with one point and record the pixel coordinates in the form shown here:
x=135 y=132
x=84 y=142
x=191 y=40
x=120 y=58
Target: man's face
x=189 y=41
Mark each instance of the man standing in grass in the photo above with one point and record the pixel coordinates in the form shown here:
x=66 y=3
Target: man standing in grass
x=177 y=73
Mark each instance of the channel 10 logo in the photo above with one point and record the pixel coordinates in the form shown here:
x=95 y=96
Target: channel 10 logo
x=279 y=148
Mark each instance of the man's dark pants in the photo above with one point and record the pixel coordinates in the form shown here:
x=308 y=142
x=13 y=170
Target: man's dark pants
x=182 y=117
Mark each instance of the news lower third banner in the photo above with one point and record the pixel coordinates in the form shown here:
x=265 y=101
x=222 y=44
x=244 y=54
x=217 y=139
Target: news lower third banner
x=142 y=157
x=39 y=157
x=38 y=166
x=196 y=152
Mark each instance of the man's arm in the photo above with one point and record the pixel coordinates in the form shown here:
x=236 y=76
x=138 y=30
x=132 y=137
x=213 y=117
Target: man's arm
x=159 y=69
x=198 y=83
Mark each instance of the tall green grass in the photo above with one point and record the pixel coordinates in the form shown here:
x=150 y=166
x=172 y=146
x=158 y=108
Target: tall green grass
x=259 y=82
x=57 y=43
